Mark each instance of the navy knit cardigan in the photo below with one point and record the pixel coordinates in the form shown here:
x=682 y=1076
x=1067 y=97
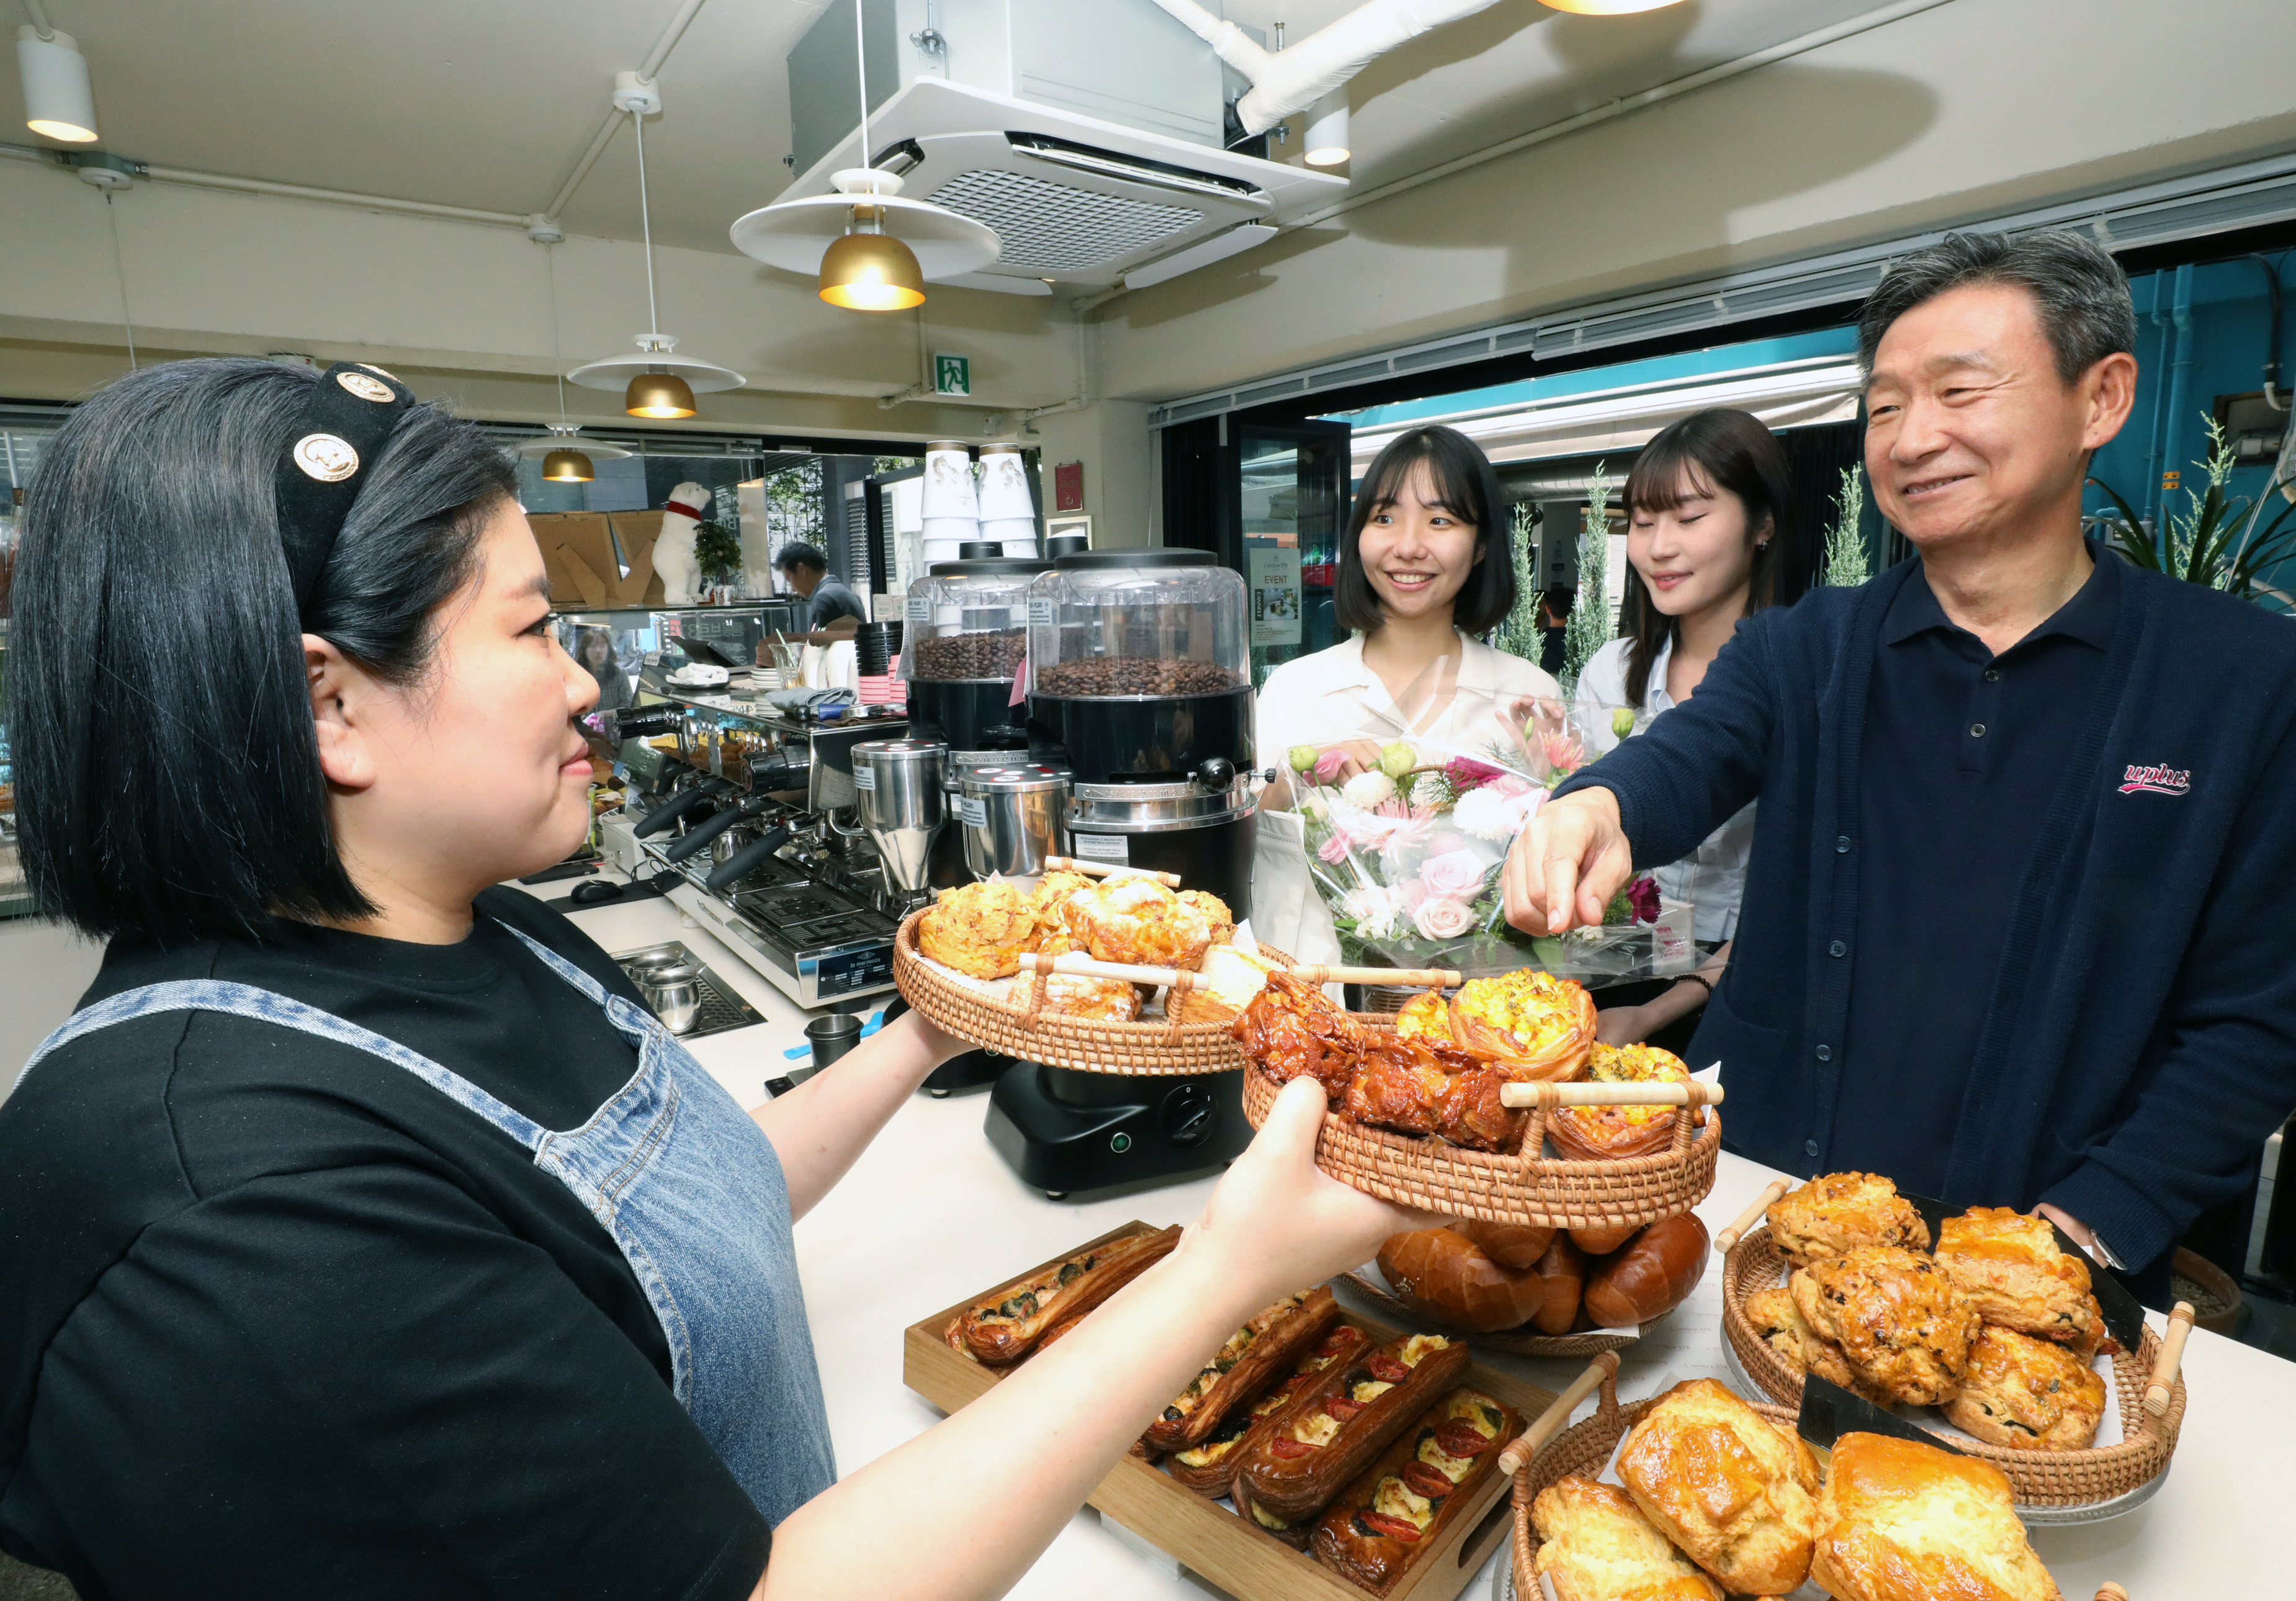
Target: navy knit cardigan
x=2140 y=1044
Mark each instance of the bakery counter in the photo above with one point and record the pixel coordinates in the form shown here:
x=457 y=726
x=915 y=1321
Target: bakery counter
x=930 y=1215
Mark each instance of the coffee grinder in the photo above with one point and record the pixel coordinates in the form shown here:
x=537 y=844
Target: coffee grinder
x=1140 y=687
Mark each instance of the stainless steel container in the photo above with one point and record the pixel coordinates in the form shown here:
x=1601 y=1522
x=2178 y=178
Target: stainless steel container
x=897 y=789
x=1013 y=818
x=673 y=991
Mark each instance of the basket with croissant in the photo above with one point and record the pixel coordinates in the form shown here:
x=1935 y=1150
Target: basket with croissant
x=1495 y=1103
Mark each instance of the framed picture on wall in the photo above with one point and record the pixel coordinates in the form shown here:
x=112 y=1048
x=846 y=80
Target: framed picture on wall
x=1055 y=526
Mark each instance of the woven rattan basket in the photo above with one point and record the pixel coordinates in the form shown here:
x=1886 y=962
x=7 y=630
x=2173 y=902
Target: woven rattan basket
x=1172 y=1047
x=2039 y=1478
x=1513 y=1341
x=1508 y=1186
x=1584 y=1448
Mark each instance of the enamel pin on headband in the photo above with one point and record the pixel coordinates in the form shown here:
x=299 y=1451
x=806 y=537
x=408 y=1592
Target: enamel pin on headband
x=344 y=428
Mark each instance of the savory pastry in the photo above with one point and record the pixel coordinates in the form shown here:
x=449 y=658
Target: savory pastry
x=1901 y=1519
x=1563 y=1273
x=1289 y=1029
x=1292 y=1531
x=2028 y=1394
x=1050 y=899
x=1651 y=1275
x=1509 y=1244
x=1772 y=1313
x=1140 y=922
x=1736 y=1491
x=1446 y=1277
x=1902 y=1326
x=1399 y=1506
x=982 y=930
x=1209 y=1466
x=1344 y=1420
x=1247 y=1359
x=1216 y=914
x=1006 y=1329
x=1073 y=994
x=2015 y=1275
x=1526 y=1024
x=1607 y=1133
x=1426 y=1015
x=1838 y=1211
x=1595 y=1545
x=1426 y=1087
x=1224 y=985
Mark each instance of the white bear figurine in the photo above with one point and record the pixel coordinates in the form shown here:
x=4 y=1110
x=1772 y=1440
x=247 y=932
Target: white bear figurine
x=672 y=552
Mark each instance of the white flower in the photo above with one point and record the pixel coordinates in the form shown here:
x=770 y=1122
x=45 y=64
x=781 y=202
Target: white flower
x=1368 y=790
x=1485 y=816
x=1313 y=809
x=1373 y=911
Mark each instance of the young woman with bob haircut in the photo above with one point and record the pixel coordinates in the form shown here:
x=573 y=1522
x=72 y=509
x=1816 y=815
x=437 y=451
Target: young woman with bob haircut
x=1711 y=539
x=365 y=1236
x=1427 y=563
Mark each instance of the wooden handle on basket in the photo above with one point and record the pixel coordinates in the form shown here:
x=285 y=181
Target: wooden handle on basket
x=1546 y=1097
x=1746 y=1218
x=1436 y=977
x=1533 y=1440
x=2172 y=1357
x=1069 y=864
x=2110 y=1591
x=1083 y=966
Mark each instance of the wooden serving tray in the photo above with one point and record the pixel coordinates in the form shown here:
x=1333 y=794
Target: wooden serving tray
x=1203 y=1534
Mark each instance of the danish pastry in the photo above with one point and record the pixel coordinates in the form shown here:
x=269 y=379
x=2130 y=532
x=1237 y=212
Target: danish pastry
x=1900 y=1519
x=1597 y=1545
x=1526 y=1024
x=1603 y=1133
x=1736 y=1493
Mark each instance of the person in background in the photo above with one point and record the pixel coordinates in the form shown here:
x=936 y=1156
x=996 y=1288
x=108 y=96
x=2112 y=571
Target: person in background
x=1710 y=541
x=835 y=609
x=2015 y=931
x=594 y=650
x=1425 y=565
x=1554 y=619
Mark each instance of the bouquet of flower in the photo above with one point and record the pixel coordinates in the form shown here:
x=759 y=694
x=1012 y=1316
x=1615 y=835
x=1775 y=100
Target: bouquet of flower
x=1406 y=853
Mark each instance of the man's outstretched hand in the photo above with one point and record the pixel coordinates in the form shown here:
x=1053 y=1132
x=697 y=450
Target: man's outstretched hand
x=1566 y=866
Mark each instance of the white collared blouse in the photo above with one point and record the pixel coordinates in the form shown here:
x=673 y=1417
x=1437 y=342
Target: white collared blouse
x=1332 y=695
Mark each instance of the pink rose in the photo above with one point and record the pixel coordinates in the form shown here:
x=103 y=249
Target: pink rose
x=1465 y=773
x=1454 y=874
x=1335 y=848
x=1642 y=895
x=1512 y=783
x=1448 y=840
x=1440 y=917
x=1328 y=764
x=1413 y=894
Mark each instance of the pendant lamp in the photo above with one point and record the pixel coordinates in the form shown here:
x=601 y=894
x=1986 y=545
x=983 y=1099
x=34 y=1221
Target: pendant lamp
x=562 y=461
x=845 y=241
x=1608 y=8
x=654 y=382
x=58 y=101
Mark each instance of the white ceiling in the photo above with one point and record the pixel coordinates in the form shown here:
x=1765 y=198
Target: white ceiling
x=489 y=105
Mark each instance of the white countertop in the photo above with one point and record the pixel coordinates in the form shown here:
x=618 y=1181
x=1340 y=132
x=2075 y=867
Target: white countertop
x=931 y=1214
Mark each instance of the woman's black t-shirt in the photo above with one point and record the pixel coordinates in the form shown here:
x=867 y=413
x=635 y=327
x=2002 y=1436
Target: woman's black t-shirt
x=282 y=1320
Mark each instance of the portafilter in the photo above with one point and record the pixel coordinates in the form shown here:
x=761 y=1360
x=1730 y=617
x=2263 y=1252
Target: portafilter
x=896 y=785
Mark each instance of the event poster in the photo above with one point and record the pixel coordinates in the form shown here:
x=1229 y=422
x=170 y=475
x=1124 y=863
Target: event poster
x=1274 y=594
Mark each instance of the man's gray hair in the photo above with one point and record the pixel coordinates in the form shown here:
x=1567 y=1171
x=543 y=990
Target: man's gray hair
x=2078 y=289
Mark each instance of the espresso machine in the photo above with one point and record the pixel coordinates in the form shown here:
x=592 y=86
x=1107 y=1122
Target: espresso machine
x=1139 y=697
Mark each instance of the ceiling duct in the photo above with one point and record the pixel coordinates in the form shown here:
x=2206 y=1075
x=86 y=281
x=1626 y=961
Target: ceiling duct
x=1089 y=134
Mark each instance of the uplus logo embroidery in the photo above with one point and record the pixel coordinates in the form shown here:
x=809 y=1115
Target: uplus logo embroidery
x=2155 y=780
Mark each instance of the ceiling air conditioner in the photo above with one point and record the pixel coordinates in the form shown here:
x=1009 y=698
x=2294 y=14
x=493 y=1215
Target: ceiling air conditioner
x=1089 y=134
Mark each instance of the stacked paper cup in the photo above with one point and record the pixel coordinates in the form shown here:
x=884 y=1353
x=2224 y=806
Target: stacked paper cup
x=948 y=506
x=1007 y=514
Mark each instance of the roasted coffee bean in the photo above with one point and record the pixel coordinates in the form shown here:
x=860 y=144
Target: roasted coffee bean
x=955 y=658
x=1095 y=676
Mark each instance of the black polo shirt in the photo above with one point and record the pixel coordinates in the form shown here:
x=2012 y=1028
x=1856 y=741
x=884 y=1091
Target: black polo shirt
x=1963 y=750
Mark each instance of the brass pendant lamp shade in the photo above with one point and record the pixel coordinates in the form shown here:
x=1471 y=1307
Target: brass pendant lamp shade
x=1609 y=8
x=871 y=272
x=567 y=467
x=659 y=395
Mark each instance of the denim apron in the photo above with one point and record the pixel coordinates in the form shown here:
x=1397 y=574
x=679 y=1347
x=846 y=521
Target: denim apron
x=685 y=1181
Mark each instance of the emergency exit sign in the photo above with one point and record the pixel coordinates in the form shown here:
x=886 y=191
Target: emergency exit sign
x=952 y=374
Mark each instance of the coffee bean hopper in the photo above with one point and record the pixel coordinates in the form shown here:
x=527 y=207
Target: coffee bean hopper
x=1139 y=688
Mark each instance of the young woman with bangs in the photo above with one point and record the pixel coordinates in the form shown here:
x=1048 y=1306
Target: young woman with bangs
x=1710 y=541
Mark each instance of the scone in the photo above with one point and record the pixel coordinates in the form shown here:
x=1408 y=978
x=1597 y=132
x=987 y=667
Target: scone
x=1599 y=1546
x=2028 y=1394
x=1073 y=995
x=1736 y=1493
x=2013 y=1272
x=1215 y=913
x=1902 y=1520
x=1772 y=1313
x=1902 y=1326
x=1224 y=985
x=1836 y=1212
x=982 y=930
x=1052 y=895
x=1139 y=922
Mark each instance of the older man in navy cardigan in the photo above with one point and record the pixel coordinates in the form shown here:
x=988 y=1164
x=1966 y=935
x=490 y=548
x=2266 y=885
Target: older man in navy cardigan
x=2016 y=928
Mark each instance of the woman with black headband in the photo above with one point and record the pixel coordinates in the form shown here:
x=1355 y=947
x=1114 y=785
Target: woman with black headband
x=363 y=1235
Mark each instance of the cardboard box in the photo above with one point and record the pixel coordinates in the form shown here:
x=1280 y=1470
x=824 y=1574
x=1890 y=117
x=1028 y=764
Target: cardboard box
x=579 y=552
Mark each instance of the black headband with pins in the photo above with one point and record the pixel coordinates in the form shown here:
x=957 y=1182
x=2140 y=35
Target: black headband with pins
x=348 y=421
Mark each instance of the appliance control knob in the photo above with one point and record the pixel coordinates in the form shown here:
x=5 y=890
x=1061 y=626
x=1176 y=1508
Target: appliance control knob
x=1216 y=773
